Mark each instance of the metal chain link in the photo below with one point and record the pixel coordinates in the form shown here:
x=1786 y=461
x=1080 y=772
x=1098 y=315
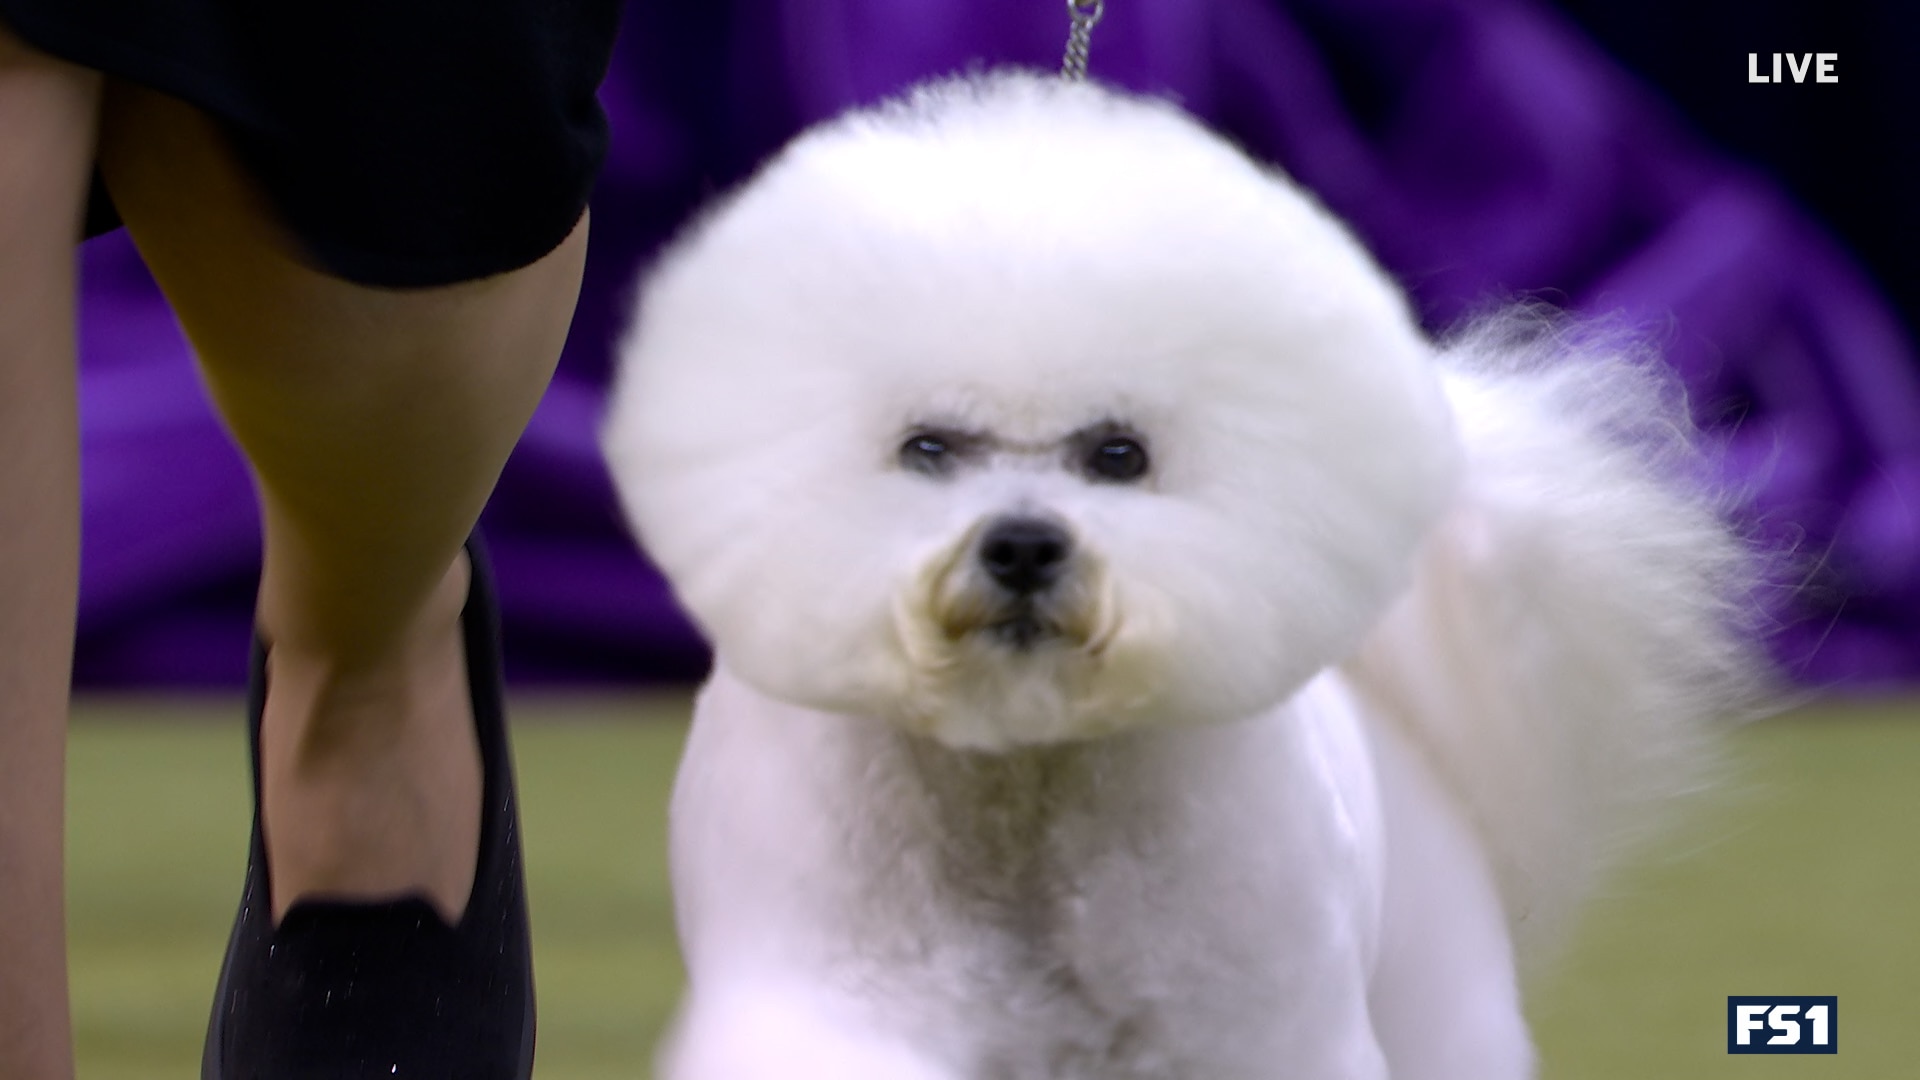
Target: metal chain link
x=1085 y=15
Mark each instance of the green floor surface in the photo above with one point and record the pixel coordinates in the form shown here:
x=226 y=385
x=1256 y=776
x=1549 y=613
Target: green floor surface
x=157 y=839
x=1801 y=876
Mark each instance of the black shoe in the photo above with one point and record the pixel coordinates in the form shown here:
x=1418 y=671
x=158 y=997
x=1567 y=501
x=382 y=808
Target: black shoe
x=344 y=991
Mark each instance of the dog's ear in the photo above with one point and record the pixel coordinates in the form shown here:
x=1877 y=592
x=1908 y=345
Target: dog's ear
x=1581 y=619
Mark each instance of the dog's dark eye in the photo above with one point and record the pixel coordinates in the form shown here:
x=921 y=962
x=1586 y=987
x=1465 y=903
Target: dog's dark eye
x=1117 y=458
x=928 y=452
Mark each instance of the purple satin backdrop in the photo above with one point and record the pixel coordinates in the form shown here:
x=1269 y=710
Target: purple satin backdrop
x=1482 y=147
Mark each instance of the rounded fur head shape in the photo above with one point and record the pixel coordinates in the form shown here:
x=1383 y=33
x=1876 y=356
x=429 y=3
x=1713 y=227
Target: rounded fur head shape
x=1018 y=411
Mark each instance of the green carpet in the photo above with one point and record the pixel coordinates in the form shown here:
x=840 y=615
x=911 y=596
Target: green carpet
x=1799 y=877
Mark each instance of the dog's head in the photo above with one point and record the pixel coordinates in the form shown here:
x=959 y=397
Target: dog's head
x=1021 y=411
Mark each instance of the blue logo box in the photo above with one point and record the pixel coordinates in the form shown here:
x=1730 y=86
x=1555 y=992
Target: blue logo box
x=1783 y=1025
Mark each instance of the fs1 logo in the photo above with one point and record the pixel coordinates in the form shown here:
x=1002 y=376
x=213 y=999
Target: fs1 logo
x=1783 y=1025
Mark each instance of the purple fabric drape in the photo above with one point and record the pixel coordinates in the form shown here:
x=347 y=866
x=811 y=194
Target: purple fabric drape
x=1483 y=148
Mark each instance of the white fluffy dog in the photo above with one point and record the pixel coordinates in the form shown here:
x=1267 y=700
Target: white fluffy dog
x=1141 y=653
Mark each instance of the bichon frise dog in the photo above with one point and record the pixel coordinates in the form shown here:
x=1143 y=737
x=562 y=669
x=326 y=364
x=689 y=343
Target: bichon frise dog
x=1140 y=652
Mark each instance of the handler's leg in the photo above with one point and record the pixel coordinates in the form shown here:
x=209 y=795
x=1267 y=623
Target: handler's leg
x=377 y=423
x=46 y=147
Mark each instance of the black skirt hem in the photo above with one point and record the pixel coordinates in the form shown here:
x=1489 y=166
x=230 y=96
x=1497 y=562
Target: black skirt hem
x=471 y=224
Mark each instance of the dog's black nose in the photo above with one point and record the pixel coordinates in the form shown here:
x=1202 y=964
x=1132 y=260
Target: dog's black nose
x=1024 y=555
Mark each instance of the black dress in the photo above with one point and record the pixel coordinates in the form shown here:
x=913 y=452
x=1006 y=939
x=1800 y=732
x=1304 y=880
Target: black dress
x=405 y=142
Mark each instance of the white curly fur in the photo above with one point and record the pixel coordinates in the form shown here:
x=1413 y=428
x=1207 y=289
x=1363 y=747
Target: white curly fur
x=1354 y=688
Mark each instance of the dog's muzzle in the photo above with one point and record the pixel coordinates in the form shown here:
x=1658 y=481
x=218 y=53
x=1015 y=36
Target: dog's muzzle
x=1025 y=559
x=1020 y=582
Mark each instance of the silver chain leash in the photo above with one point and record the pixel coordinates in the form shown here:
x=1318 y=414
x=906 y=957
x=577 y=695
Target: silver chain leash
x=1085 y=15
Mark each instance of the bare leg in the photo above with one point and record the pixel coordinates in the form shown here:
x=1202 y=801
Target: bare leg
x=377 y=423
x=47 y=114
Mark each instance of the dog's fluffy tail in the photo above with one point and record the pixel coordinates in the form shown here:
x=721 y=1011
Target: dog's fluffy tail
x=1579 y=624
